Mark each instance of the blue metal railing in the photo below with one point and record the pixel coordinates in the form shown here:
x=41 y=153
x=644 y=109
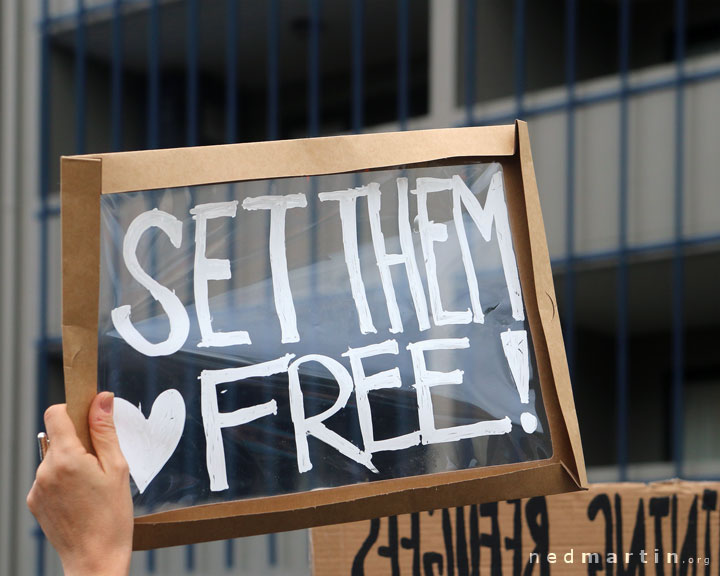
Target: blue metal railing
x=469 y=46
x=153 y=83
x=570 y=258
x=231 y=79
x=358 y=45
x=80 y=79
x=153 y=136
x=314 y=69
x=273 y=75
x=568 y=102
x=191 y=111
x=116 y=111
x=43 y=192
x=403 y=77
x=622 y=271
x=192 y=72
x=520 y=56
x=678 y=347
x=231 y=132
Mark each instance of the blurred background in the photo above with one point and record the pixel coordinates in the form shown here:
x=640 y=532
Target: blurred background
x=623 y=102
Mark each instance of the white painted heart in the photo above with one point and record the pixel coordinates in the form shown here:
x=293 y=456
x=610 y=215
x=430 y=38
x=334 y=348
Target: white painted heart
x=147 y=444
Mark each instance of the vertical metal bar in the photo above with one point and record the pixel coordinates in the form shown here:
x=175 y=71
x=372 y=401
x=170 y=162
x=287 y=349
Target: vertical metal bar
x=191 y=103
x=188 y=376
x=41 y=358
x=153 y=141
x=569 y=313
x=622 y=338
x=314 y=112
x=273 y=129
x=403 y=63
x=150 y=391
x=192 y=72
x=191 y=110
x=273 y=74
x=272 y=549
x=358 y=77
x=314 y=70
x=314 y=121
x=231 y=60
x=358 y=82
x=117 y=76
x=229 y=554
x=153 y=96
x=273 y=89
x=678 y=256
x=469 y=46
x=403 y=106
x=519 y=43
x=231 y=110
x=117 y=145
x=80 y=75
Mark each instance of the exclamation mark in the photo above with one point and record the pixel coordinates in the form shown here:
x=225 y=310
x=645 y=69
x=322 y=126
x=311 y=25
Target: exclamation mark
x=515 y=346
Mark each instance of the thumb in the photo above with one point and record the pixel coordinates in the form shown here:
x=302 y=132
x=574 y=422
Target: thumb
x=102 y=432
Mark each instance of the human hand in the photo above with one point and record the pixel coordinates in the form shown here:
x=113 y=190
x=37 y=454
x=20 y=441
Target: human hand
x=82 y=501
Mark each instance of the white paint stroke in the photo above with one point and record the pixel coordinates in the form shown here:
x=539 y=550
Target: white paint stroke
x=426 y=379
x=515 y=347
x=495 y=210
x=171 y=304
x=406 y=256
x=214 y=420
x=207 y=269
x=347 y=201
x=284 y=306
x=365 y=384
x=430 y=233
x=148 y=444
x=313 y=426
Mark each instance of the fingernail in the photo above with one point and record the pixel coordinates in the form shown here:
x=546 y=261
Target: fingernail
x=106 y=402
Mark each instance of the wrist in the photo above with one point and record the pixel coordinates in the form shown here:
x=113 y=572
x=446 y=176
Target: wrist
x=105 y=565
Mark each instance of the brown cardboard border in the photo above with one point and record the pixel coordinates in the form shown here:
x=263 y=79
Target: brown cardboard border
x=80 y=237
x=568 y=529
x=85 y=178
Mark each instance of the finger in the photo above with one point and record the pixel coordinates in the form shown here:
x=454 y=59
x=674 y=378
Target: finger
x=102 y=433
x=60 y=429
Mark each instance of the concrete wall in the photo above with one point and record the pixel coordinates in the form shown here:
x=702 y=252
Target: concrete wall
x=651 y=178
x=19 y=278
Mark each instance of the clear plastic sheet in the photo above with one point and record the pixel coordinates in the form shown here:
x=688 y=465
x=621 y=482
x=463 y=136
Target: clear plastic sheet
x=261 y=456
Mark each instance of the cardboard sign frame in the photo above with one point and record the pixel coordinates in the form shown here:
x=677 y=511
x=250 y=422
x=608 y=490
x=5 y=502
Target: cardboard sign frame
x=86 y=178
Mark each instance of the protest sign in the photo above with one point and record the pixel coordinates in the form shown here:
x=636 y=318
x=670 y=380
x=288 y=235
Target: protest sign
x=316 y=331
x=623 y=528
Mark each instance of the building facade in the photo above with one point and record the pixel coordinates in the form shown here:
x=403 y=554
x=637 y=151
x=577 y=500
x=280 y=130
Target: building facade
x=622 y=98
